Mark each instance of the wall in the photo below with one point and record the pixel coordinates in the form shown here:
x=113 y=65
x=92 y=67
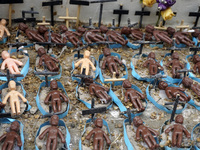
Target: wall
x=182 y=7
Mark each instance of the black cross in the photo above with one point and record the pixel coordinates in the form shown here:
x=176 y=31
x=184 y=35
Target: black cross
x=156 y=78
x=131 y=25
x=120 y=12
x=195 y=49
x=10 y=76
x=141 y=14
x=17 y=44
x=128 y=113
x=90 y=26
x=163 y=22
x=195 y=14
x=10 y=1
x=79 y=2
x=175 y=107
x=174 y=48
x=93 y=110
x=184 y=71
x=52 y=3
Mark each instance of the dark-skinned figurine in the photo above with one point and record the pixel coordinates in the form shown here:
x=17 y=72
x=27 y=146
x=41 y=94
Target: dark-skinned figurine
x=53 y=132
x=99 y=135
x=196 y=60
x=188 y=83
x=93 y=36
x=178 y=131
x=182 y=37
x=146 y=133
x=55 y=97
x=152 y=64
x=134 y=96
x=48 y=60
x=113 y=36
x=176 y=65
x=11 y=136
x=172 y=92
x=110 y=61
x=32 y=35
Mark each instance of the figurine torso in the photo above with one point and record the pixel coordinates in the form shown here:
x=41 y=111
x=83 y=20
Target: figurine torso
x=55 y=95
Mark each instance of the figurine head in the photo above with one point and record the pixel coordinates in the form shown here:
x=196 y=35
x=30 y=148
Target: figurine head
x=103 y=29
x=22 y=27
x=126 y=30
x=15 y=126
x=196 y=33
x=98 y=123
x=88 y=81
x=81 y=30
x=126 y=84
x=12 y=85
x=175 y=55
x=187 y=82
x=152 y=55
x=54 y=120
x=63 y=28
x=106 y=52
x=53 y=85
x=179 y=119
x=171 y=31
x=3 y=22
x=196 y=59
x=162 y=85
x=137 y=121
x=86 y=54
x=5 y=55
x=42 y=29
x=149 y=28
x=41 y=51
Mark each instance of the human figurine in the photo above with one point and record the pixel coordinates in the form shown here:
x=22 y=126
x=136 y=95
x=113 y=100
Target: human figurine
x=3 y=29
x=178 y=131
x=12 y=64
x=110 y=61
x=32 y=35
x=48 y=60
x=93 y=36
x=196 y=60
x=146 y=133
x=11 y=136
x=188 y=83
x=176 y=65
x=134 y=96
x=85 y=63
x=53 y=132
x=72 y=36
x=113 y=36
x=152 y=64
x=172 y=92
x=55 y=97
x=159 y=35
x=14 y=96
x=182 y=37
x=170 y=31
x=99 y=135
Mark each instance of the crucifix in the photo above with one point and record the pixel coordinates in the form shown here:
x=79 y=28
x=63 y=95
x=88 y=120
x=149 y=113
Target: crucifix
x=195 y=14
x=120 y=12
x=163 y=21
x=141 y=14
x=195 y=49
x=52 y=3
x=184 y=71
x=67 y=18
x=10 y=76
x=174 y=48
x=128 y=113
x=114 y=79
x=182 y=26
x=10 y=2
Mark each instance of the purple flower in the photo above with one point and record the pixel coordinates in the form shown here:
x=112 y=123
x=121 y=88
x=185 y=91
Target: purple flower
x=164 y=4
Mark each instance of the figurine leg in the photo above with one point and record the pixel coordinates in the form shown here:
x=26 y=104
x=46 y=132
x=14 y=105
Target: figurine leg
x=148 y=142
x=16 y=69
x=95 y=144
x=48 y=64
x=59 y=105
x=179 y=141
x=153 y=70
x=141 y=108
x=198 y=69
x=174 y=139
x=12 y=106
x=11 y=70
x=106 y=96
x=111 y=68
x=101 y=144
x=54 y=145
x=10 y=146
x=183 y=97
x=134 y=104
x=115 y=69
x=48 y=144
x=54 y=106
x=155 y=145
x=4 y=147
x=18 y=107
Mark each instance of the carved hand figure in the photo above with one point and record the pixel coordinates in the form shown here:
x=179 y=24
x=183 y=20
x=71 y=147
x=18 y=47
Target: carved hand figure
x=176 y=65
x=3 y=29
x=53 y=132
x=13 y=96
x=172 y=92
x=178 y=131
x=48 y=60
x=182 y=37
x=134 y=96
x=85 y=63
x=146 y=133
x=196 y=60
x=152 y=64
x=55 y=97
x=98 y=135
x=10 y=63
x=110 y=61
x=11 y=136
x=188 y=83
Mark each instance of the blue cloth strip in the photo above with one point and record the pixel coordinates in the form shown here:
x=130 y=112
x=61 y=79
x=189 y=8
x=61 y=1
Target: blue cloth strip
x=3 y=41
x=192 y=136
x=129 y=44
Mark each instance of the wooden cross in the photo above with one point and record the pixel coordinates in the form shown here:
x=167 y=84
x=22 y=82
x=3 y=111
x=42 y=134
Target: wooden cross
x=195 y=14
x=182 y=26
x=141 y=14
x=120 y=12
x=160 y=27
x=52 y=3
x=114 y=79
x=43 y=23
x=67 y=18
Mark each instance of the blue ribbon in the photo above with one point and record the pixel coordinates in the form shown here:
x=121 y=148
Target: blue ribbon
x=73 y=68
x=90 y=121
x=61 y=123
x=3 y=41
x=38 y=100
x=123 y=108
x=101 y=75
x=192 y=138
x=156 y=45
x=9 y=121
x=129 y=44
x=195 y=40
x=181 y=45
